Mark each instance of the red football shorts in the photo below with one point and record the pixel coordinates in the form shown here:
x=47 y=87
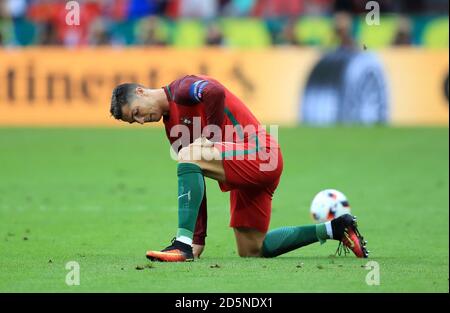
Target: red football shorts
x=252 y=175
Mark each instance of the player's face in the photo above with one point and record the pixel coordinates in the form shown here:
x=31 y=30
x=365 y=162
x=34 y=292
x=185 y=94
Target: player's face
x=141 y=111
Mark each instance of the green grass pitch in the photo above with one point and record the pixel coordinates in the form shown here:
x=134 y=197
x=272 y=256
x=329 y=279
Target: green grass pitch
x=102 y=197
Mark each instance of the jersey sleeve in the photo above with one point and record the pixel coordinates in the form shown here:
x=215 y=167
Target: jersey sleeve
x=192 y=90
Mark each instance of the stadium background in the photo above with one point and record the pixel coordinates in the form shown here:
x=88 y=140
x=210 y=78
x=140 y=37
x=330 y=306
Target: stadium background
x=69 y=188
x=60 y=74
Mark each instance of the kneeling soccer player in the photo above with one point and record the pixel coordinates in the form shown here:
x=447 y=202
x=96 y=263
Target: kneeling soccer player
x=216 y=135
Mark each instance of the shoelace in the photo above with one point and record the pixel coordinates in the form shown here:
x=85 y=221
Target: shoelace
x=172 y=241
x=342 y=248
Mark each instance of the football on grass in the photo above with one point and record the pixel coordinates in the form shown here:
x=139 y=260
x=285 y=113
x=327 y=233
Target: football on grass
x=328 y=204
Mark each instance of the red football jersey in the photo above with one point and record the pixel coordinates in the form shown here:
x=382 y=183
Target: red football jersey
x=202 y=105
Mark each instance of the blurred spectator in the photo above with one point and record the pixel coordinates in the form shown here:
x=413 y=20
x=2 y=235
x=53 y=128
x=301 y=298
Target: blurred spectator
x=317 y=7
x=2 y=21
x=115 y=10
x=98 y=32
x=223 y=7
x=172 y=9
x=74 y=35
x=404 y=5
x=359 y=7
x=54 y=12
x=351 y=6
x=278 y=8
x=435 y=6
x=343 y=30
x=214 y=35
x=3 y=13
x=416 y=6
x=204 y=9
x=16 y=8
x=41 y=11
x=237 y=7
x=404 y=32
x=286 y=36
x=148 y=32
x=48 y=35
x=103 y=22
x=142 y=8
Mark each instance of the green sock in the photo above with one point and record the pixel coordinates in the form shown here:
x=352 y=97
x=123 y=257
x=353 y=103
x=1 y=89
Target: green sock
x=285 y=239
x=191 y=188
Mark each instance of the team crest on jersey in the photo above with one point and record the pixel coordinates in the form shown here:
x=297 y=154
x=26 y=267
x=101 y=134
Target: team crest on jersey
x=186 y=120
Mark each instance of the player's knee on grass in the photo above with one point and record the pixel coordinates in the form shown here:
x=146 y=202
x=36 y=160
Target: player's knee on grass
x=250 y=252
x=249 y=242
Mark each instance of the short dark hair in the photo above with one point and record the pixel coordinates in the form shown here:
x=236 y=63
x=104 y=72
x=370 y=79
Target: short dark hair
x=121 y=95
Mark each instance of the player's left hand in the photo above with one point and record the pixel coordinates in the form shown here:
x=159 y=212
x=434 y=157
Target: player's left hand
x=197 y=250
x=203 y=142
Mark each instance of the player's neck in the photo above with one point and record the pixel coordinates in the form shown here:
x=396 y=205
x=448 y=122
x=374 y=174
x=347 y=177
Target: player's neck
x=160 y=99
